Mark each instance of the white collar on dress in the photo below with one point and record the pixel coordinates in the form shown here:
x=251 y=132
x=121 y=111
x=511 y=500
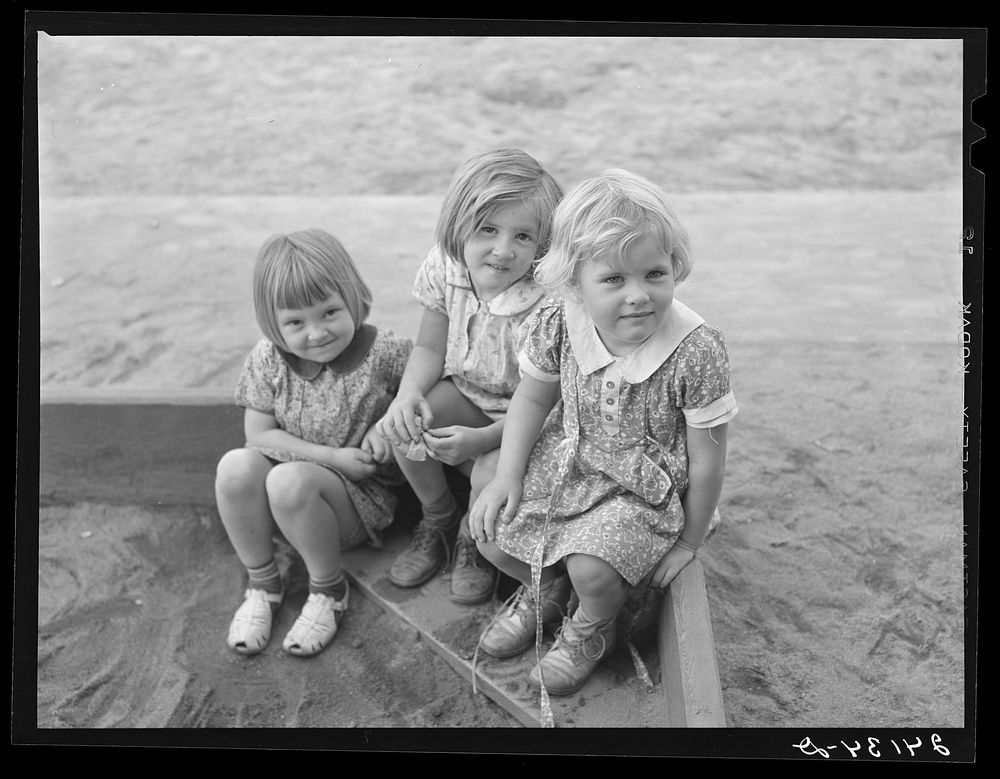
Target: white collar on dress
x=516 y=299
x=592 y=354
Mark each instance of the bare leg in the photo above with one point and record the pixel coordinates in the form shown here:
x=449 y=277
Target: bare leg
x=311 y=506
x=429 y=545
x=243 y=506
x=514 y=568
x=601 y=589
x=590 y=634
x=450 y=407
x=242 y=502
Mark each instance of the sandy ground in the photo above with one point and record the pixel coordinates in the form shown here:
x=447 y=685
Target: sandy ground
x=821 y=183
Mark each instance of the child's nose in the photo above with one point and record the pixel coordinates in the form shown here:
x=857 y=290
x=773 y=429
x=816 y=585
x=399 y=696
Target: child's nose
x=503 y=247
x=637 y=293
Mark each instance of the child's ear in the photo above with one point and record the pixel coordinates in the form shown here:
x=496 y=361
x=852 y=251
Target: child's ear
x=572 y=290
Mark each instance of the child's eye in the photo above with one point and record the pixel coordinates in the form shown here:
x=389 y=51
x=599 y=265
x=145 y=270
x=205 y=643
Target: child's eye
x=293 y=322
x=655 y=274
x=488 y=229
x=526 y=237
x=613 y=280
x=332 y=312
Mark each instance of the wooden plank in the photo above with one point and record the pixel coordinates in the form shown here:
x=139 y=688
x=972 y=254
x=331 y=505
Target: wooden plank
x=690 y=673
x=119 y=396
x=142 y=453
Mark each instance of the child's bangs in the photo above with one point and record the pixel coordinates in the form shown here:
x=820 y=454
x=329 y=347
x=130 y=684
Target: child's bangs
x=537 y=195
x=541 y=208
x=487 y=211
x=613 y=234
x=301 y=283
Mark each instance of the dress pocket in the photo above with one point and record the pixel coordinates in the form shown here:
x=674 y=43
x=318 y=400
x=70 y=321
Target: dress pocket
x=655 y=484
x=632 y=469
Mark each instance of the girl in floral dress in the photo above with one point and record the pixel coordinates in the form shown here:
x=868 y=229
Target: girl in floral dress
x=622 y=486
x=312 y=467
x=476 y=289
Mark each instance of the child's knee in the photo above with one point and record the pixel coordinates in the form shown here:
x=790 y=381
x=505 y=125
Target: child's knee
x=592 y=575
x=483 y=471
x=287 y=487
x=491 y=552
x=238 y=470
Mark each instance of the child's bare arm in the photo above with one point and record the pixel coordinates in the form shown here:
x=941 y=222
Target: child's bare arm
x=423 y=369
x=531 y=404
x=262 y=430
x=706 y=470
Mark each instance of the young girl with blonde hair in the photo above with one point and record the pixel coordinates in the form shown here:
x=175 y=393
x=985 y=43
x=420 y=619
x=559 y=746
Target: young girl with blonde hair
x=476 y=288
x=623 y=487
x=312 y=467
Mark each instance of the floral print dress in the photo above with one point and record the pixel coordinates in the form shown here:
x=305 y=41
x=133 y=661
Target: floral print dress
x=333 y=404
x=608 y=472
x=481 y=353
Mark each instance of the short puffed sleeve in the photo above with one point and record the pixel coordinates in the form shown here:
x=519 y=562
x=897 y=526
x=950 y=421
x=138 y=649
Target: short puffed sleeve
x=395 y=352
x=260 y=379
x=703 y=386
x=430 y=284
x=542 y=337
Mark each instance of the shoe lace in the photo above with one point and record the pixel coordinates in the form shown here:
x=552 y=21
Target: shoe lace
x=521 y=604
x=425 y=536
x=509 y=607
x=466 y=553
x=576 y=642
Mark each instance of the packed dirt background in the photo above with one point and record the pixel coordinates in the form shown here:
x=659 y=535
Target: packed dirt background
x=821 y=181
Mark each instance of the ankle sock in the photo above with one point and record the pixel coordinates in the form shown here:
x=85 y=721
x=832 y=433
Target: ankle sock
x=441 y=513
x=267 y=577
x=335 y=585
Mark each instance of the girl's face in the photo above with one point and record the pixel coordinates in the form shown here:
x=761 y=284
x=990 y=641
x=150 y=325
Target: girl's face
x=629 y=299
x=319 y=332
x=501 y=251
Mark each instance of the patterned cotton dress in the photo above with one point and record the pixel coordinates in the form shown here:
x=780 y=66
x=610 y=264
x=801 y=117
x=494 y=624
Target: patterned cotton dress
x=607 y=475
x=481 y=355
x=333 y=404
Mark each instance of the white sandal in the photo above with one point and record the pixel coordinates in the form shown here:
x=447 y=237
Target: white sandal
x=316 y=625
x=250 y=630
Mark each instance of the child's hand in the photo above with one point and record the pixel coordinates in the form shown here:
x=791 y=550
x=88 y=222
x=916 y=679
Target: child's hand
x=356 y=464
x=499 y=498
x=672 y=564
x=453 y=445
x=405 y=420
x=377 y=446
